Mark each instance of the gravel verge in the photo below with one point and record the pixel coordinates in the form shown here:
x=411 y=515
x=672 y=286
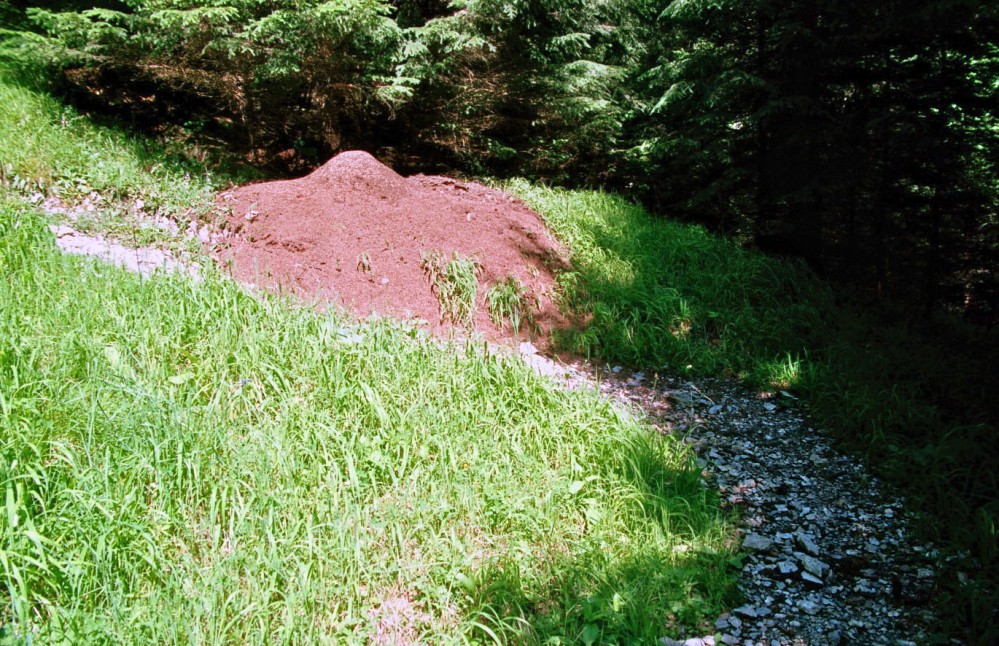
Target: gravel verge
x=830 y=555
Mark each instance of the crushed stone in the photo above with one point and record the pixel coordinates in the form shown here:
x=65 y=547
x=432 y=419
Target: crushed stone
x=142 y=260
x=830 y=555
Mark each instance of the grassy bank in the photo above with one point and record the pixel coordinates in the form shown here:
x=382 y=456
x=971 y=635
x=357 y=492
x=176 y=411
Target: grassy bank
x=181 y=462
x=118 y=183
x=917 y=398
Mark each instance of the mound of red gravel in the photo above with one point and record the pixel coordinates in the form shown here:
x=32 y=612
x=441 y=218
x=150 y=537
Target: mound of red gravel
x=353 y=233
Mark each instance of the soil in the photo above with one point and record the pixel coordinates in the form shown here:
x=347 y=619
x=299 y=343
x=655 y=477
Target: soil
x=353 y=233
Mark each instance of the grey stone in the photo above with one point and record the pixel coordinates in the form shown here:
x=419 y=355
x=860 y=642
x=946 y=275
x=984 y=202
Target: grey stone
x=806 y=542
x=144 y=260
x=681 y=398
x=812 y=564
x=787 y=567
x=757 y=542
x=812 y=506
x=808 y=606
x=527 y=348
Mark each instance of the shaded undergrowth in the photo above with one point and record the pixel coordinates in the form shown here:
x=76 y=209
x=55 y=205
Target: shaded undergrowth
x=116 y=182
x=915 y=397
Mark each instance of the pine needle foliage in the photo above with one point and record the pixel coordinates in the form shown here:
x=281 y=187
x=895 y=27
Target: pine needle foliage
x=279 y=74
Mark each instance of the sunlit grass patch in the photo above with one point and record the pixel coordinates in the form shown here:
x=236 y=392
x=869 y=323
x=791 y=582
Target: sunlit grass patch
x=508 y=300
x=782 y=374
x=455 y=283
x=183 y=462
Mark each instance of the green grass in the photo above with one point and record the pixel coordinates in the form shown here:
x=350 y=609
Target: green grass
x=654 y=292
x=916 y=398
x=47 y=150
x=183 y=463
x=455 y=282
x=509 y=300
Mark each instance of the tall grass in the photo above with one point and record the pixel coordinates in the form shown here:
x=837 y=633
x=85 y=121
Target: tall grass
x=509 y=300
x=183 y=463
x=916 y=398
x=455 y=283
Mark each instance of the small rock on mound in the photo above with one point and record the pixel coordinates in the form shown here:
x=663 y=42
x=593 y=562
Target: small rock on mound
x=354 y=233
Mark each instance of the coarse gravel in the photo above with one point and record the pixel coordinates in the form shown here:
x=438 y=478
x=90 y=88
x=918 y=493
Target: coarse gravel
x=830 y=556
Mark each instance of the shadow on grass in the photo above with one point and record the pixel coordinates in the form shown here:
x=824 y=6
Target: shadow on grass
x=670 y=573
x=913 y=397
x=172 y=150
x=635 y=600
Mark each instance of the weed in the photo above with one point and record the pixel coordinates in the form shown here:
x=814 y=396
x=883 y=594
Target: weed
x=507 y=300
x=364 y=263
x=455 y=283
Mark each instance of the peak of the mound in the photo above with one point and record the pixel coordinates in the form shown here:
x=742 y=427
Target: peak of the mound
x=357 y=168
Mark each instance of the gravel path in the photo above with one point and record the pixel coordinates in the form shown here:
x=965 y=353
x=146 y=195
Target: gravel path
x=830 y=554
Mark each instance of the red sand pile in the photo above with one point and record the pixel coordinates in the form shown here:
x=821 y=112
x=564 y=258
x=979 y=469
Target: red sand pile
x=353 y=232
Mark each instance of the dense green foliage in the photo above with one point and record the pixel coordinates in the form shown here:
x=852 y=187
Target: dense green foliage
x=269 y=75
x=858 y=136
